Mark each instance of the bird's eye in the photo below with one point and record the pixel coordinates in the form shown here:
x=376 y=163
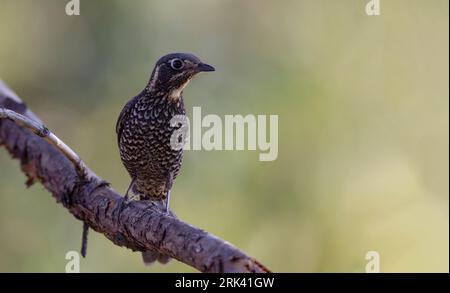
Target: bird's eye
x=176 y=64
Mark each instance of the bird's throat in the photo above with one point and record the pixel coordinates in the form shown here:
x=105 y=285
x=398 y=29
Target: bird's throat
x=175 y=93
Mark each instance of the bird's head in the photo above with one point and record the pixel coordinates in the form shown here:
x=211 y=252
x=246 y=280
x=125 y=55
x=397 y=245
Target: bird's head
x=173 y=72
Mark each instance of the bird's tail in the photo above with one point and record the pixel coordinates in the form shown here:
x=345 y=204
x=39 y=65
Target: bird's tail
x=150 y=257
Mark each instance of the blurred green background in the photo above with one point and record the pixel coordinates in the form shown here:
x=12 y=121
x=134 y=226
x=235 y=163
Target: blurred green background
x=363 y=107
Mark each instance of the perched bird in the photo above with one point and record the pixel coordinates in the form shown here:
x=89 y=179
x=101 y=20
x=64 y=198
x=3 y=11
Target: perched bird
x=144 y=131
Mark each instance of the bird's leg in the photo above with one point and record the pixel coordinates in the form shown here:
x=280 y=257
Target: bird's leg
x=124 y=201
x=126 y=197
x=169 y=182
x=167 y=201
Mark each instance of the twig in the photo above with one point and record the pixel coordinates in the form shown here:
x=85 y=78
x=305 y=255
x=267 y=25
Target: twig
x=42 y=131
x=84 y=239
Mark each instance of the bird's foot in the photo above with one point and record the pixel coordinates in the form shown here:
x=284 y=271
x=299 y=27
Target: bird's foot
x=122 y=204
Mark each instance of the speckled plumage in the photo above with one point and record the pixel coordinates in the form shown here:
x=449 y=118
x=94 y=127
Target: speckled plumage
x=144 y=143
x=144 y=129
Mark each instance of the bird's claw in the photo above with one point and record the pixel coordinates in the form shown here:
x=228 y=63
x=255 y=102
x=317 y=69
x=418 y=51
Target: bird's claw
x=122 y=204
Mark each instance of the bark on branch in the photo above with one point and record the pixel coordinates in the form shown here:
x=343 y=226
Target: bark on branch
x=140 y=226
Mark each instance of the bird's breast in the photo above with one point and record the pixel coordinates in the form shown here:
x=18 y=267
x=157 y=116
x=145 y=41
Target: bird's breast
x=145 y=143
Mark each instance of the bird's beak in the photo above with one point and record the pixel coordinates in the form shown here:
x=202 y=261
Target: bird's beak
x=202 y=67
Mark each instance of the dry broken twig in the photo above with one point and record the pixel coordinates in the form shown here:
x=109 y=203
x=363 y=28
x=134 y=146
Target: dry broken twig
x=140 y=226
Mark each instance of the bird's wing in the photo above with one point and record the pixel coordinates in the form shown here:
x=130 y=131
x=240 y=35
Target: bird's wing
x=123 y=117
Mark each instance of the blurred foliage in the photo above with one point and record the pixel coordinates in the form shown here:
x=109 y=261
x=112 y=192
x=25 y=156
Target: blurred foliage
x=363 y=126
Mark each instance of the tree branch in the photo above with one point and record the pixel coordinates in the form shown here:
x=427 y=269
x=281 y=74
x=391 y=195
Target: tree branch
x=140 y=226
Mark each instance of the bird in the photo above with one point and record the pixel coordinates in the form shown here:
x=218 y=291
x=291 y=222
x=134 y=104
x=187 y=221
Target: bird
x=144 y=132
